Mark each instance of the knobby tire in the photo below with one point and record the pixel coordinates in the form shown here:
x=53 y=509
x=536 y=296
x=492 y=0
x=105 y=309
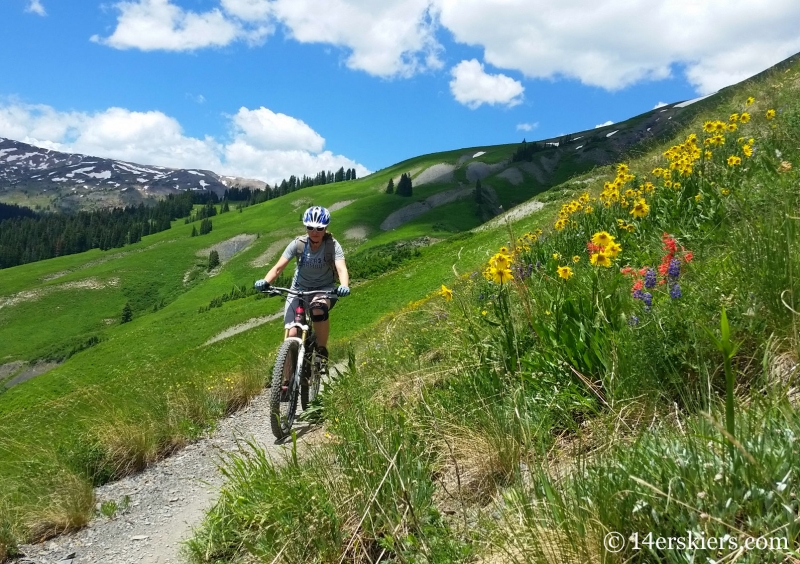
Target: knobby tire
x=283 y=405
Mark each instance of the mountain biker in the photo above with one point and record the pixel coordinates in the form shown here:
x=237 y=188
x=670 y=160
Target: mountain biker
x=319 y=259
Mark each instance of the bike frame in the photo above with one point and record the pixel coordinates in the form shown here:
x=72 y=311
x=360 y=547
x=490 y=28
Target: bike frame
x=305 y=329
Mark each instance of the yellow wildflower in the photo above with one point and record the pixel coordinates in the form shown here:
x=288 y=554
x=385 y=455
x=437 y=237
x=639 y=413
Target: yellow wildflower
x=576 y=259
x=770 y=114
x=447 y=293
x=725 y=191
x=734 y=160
x=602 y=238
x=640 y=208
x=749 y=101
x=747 y=150
x=600 y=259
x=698 y=197
x=708 y=127
x=560 y=224
x=565 y=272
x=556 y=256
x=734 y=118
x=630 y=228
x=622 y=169
x=613 y=249
x=502 y=276
x=744 y=118
x=731 y=127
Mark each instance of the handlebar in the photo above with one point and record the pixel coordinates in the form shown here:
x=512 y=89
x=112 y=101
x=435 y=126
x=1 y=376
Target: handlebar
x=277 y=291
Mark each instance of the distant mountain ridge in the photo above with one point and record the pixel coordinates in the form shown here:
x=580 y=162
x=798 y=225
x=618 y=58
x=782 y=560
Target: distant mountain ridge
x=71 y=181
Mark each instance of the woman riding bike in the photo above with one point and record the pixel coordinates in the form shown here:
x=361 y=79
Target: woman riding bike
x=319 y=259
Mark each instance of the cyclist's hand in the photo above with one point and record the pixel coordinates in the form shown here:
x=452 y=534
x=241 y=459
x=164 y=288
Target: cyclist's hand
x=261 y=285
x=343 y=291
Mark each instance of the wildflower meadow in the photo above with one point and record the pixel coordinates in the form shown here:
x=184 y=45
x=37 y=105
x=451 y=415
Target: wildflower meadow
x=624 y=361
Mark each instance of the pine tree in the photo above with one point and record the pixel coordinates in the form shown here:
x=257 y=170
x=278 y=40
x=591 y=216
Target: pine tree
x=213 y=259
x=194 y=231
x=390 y=186
x=404 y=187
x=205 y=226
x=353 y=174
x=127 y=313
x=478 y=191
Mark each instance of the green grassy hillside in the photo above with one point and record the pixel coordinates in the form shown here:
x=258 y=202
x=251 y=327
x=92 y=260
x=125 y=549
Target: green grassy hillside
x=128 y=393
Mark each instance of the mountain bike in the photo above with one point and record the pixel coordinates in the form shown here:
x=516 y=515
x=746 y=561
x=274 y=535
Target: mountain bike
x=297 y=369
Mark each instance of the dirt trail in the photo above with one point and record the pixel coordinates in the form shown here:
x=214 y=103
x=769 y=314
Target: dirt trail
x=167 y=501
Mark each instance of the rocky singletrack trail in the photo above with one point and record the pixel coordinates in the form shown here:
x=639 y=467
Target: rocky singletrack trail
x=167 y=500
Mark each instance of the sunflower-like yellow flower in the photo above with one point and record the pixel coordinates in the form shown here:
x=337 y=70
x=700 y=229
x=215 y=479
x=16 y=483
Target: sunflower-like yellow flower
x=602 y=238
x=744 y=118
x=649 y=187
x=556 y=256
x=708 y=127
x=584 y=198
x=613 y=249
x=500 y=261
x=734 y=160
x=749 y=101
x=501 y=276
x=733 y=118
x=747 y=150
x=732 y=127
x=560 y=224
x=447 y=293
x=565 y=272
x=622 y=169
x=725 y=191
x=707 y=155
x=640 y=208
x=600 y=259
x=630 y=228
x=770 y=114
x=720 y=126
x=576 y=259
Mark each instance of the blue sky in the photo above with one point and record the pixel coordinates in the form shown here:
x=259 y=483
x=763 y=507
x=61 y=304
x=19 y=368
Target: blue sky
x=269 y=88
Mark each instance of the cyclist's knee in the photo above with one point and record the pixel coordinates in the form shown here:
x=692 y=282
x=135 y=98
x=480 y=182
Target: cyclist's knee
x=319 y=311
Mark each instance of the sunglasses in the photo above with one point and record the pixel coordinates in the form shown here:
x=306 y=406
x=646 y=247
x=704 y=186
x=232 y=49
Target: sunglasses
x=309 y=228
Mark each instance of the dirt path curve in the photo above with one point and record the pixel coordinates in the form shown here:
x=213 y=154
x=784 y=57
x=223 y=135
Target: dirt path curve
x=167 y=500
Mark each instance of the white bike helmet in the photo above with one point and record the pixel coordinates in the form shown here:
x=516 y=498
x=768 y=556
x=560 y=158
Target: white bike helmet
x=316 y=216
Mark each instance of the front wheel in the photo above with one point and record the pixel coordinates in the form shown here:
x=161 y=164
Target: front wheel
x=283 y=402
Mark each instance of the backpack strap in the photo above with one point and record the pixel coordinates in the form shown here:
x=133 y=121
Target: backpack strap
x=330 y=249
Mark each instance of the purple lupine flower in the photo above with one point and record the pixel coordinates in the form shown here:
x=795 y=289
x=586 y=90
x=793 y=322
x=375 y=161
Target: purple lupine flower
x=530 y=268
x=650 y=278
x=674 y=268
x=647 y=298
x=638 y=295
x=480 y=296
x=633 y=321
x=675 y=291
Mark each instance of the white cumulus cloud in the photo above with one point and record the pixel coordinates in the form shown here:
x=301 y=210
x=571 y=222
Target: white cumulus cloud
x=659 y=104
x=473 y=86
x=527 y=126
x=264 y=145
x=614 y=44
x=388 y=38
x=35 y=7
x=160 y=25
x=268 y=130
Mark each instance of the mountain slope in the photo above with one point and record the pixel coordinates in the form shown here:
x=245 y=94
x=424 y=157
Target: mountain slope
x=72 y=181
x=142 y=372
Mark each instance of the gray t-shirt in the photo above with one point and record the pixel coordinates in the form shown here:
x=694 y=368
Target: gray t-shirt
x=312 y=273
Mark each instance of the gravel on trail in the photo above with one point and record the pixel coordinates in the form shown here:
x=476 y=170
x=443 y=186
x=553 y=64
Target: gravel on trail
x=167 y=501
